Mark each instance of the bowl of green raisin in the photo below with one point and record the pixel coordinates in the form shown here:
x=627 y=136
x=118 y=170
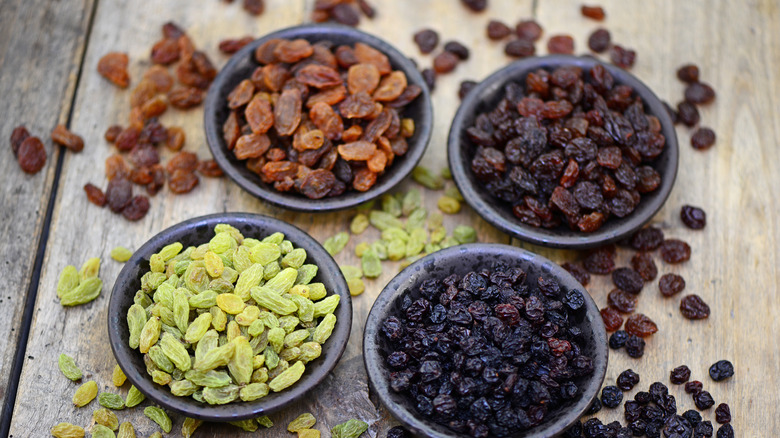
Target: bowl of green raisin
x=228 y=317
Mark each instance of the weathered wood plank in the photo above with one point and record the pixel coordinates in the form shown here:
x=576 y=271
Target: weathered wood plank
x=741 y=62
x=41 y=44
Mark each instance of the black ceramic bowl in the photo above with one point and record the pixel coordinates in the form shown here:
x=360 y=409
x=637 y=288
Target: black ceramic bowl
x=486 y=95
x=461 y=260
x=241 y=66
x=195 y=232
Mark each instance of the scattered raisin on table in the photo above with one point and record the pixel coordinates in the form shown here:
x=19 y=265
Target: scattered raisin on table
x=497 y=30
x=699 y=93
x=671 y=284
x=445 y=62
x=119 y=193
x=563 y=44
x=723 y=414
x=426 y=40
x=618 y=339
x=18 y=135
x=628 y=280
x=721 y=370
x=627 y=380
x=693 y=217
x=600 y=261
x=429 y=76
x=345 y=14
x=578 y=272
x=254 y=7
x=95 y=195
x=593 y=12
x=31 y=155
x=62 y=136
x=612 y=319
x=611 y=396
x=599 y=40
x=640 y=325
x=113 y=66
x=647 y=239
x=675 y=251
x=136 y=209
x=528 y=30
x=231 y=46
x=688 y=73
x=680 y=375
x=726 y=431
x=693 y=387
x=644 y=264
x=703 y=138
x=703 y=400
x=687 y=113
x=520 y=48
x=622 y=301
x=635 y=346
x=458 y=49
x=622 y=57
x=475 y=5
x=464 y=88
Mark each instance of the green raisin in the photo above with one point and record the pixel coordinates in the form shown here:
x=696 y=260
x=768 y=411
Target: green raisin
x=221 y=395
x=448 y=205
x=295 y=258
x=382 y=220
x=454 y=193
x=356 y=286
x=372 y=266
x=68 y=367
x=303 y=421
x=351 y=272
x=391 y=205
x=134 y=397
x=86 y=291
x=306 y=274
x=416 y=219
x=89 y=269
x=100 y=431
x=324 y=329
x=435 y=220
x=85 y=394
x=189 y=426
x=160 y=417
x=350 y=429
x=390 y=234
x=287 y=377
x=126 y=430
x=380 y=249
x=121 y=254
x=67 y=430
x=361 y=248
x=272 y=301
x=248 y=425
x=359 y=224
x=69 y=279
x=412 y=200
x=336 y=243
x=106 y=418
x=423 y=176
x=464 y=234
x=265 y=421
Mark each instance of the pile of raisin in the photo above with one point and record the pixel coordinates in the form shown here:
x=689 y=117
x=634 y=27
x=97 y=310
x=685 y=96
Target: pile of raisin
x=142 y=139
x=346 y=12
x=489 y=353
x=568 y=147
x=319 y=119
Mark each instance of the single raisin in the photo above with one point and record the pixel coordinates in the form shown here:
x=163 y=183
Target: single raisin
x=687 y=113
x=457 y=49
x=675 y=251
x=693 y=387
x=611 y=396
x=723 y=414
x=497 y=30
x=231 y=46
x=593 y=12
x=445 y=62
x=644 y=265
x=185 y=97
x=429 y=76
x=621 y=300
x=113 y=66
x=693 y=217
x=612 y=319
x=345 y=14
x=699 y=93
x=18 y=135
x=599 y=40
x=703 y=138
x=475 y=5
x=520 y=48
x=703 y=400
x=466 y=86
x=721 y=370
x=622 y=57
x=31 y=155
x=119 y=193
x=209 y=168
x=95 y=195
x=725 y=431
x=254 y=7
x=563 y=44
x=627 y=379
x=136 y=209
x=640 y=325
x=647 y=239
x=426 y=40
x=628 y=280
x=618 y=339
x=600 y=261
x=182 y=181
x=688 y=73
x=528 y=30
x=680 y=375
x=635 y=346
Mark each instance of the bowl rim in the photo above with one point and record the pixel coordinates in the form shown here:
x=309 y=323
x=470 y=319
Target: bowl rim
x=411 y=275
x=551 y=238
x=239 y=410
x=294 y=201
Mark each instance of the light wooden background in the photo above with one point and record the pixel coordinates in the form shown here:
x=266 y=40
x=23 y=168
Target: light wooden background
x=48 y=56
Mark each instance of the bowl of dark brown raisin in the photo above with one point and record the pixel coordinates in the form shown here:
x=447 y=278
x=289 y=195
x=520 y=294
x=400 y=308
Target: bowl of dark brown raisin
x=318 y=117
x=485 y=340
x=563 y=151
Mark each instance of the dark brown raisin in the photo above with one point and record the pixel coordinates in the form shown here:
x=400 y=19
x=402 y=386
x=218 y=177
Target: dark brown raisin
x=18 y=135
x=475 y=5
x=628 y=280
x=723 y=414
x=647 y=239
x=699 y=93
x=426 y=40
x=458 y=49
x=648 y=179
x=563 y=44
x=95 y=195
x=600 y=261
x=671 y=284
x=366 y=8
x=520 y=48
x=429 y=76
x=680 y=375
x=640 y=325
x=622 y=57
x=31 y=155
x=599 y=40
x=675 y=251
x=345 y=14
x=693 y=307
x=136 y=209
x=703 y=138
x=119 y=193
x=528 y=30
x=612 y=319
x=317 y=184
x=643 y=264
x=497 y=30
x=593 y=12
x=445 y=62
x=693 y=387
x=578 y=272
x=688 y=73
x=466 y=86
x=231 y=46
x=254 y=7
x=687 y=113
x=693 y=217
x=622 y=300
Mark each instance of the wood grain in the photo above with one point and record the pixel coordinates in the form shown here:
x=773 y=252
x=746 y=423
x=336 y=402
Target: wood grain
x=734 y=265
x=37 y=80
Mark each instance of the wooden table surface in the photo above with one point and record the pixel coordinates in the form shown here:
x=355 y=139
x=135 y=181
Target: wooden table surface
x=48 y=56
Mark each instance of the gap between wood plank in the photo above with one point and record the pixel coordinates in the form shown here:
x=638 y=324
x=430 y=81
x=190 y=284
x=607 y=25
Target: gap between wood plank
x=32 y=292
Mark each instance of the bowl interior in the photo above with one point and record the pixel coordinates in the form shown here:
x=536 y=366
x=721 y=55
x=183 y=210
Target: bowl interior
x=461 y=260
x=195 y=232
x=485 y=96
x=241 y=66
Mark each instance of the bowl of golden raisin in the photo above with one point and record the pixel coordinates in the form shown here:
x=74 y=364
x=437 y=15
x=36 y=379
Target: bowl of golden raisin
x=318 y=117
